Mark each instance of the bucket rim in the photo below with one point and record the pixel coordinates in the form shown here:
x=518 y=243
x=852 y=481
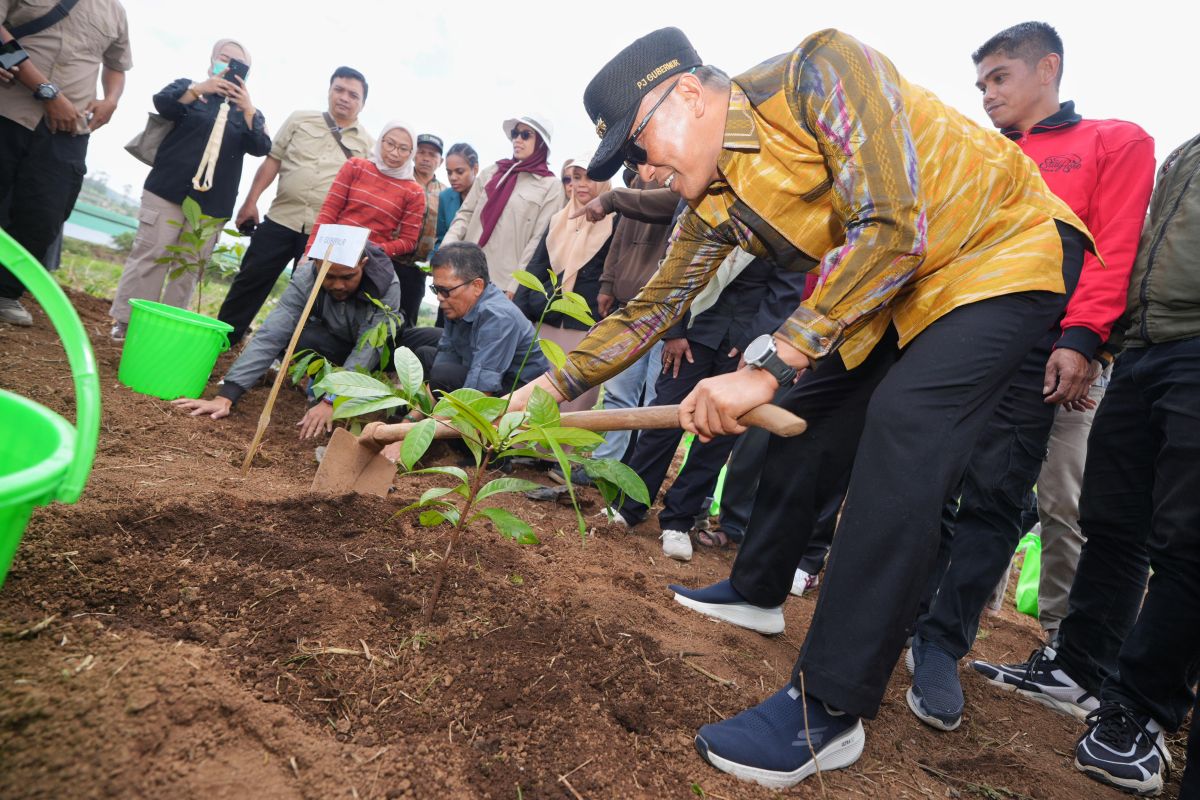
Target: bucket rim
x=180 y=315
x=39 y=482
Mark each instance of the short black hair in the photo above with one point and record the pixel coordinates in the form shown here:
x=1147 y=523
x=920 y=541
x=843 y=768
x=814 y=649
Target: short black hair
x=1028 y=41
x=353 y=74
x=466 y=152
x=466 y=259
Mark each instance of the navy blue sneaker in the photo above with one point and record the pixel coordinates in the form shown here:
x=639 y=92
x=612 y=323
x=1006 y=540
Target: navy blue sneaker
x=772 y=744
x=936 y=695
x=721 y=601
x=1125 y=749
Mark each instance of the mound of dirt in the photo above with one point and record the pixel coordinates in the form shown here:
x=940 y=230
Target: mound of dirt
x=184 y=632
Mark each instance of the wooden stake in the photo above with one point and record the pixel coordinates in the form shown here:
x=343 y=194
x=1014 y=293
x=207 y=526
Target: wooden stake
x=264 y=419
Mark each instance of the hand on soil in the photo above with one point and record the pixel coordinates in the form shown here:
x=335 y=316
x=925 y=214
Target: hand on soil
x=318 y=420
x=217 y=408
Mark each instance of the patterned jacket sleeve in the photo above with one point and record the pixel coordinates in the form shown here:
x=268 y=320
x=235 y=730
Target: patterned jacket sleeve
x=693 y=255
x=851 y=103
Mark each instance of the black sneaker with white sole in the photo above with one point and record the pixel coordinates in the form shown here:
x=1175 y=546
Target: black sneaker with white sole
x=1042 y=679
x=936 y=695
x=1125 y=749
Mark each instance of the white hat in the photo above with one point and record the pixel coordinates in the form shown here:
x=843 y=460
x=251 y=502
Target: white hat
x=539 y=122
x=582 y=160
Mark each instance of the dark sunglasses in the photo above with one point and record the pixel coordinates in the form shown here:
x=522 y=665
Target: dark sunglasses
x=445 y=291
x=635 y=154
x=525 y=134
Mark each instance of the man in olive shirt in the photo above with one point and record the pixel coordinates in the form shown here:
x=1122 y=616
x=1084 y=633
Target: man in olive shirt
x=306 y=155
x=48 y=109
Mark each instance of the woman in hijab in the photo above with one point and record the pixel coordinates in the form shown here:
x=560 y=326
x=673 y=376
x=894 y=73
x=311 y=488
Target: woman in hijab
x=510 y=205
x=379 y=194
x=574 y=249
x=194 y=108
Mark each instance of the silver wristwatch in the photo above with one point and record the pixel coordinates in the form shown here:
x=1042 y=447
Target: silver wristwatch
x=762 y=354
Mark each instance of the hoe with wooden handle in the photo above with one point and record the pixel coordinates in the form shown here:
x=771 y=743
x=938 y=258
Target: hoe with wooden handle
x=354 y=464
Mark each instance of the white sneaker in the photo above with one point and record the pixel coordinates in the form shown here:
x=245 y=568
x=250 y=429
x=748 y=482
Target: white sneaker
x=613 y=517
x=676 y=544
x=117 y=334
x=803 y=583
x=12 y=312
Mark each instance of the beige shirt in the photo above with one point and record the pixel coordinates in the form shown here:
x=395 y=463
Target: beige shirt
x=526 y=216
x=69 y=53
x=309 y=159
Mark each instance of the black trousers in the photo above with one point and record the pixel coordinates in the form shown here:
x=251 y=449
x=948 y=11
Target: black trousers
x=272 y=246
x=908 y=432
x=41 y=174
x=1140 y=511
x=651 y=458
x=412 y=290
x=741 y=489
x=1189 y=789
x=981 y=527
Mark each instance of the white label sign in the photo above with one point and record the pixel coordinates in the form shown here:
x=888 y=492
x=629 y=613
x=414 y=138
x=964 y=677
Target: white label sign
x=348 y=242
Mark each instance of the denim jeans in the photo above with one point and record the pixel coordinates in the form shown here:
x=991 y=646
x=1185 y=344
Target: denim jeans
x=626 y=390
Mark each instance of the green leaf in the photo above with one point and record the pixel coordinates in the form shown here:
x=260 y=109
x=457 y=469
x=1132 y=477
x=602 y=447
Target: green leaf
x=191 y=211
x=553 y=353
x=347 y=383
x=480 y=425
x=553 y=278
x=416 y=442
x=354 y=407
x=502 y=485
x=314 y=367
x=509 y=423
x=457 y=472
x=575 y=297
x=431 y=519
x=516 y=580
x=509 y=524
x=572 y=310
x=436 y=492
x=527 y=280
x=572 y=437
x=542 y=408
x=620 y=475
x=564 y=463
x=467 y=396
x=490 y=407
x=408 y=371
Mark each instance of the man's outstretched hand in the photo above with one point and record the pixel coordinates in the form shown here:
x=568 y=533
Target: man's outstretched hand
x=217 y=408
x=318 y=420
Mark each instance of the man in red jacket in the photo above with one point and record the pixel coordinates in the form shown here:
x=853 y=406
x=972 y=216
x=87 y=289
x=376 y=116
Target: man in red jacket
x=1104 y=169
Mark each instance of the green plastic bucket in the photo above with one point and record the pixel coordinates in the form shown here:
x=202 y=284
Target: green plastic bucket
x=170 y=352
x=42 y=458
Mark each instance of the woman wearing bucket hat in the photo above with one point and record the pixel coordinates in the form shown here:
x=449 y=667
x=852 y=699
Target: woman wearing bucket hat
x=194 y=108
x=575 y=249
x=510 y=205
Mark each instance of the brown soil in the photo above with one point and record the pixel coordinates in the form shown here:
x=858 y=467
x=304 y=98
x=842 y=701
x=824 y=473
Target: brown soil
x=219 y=637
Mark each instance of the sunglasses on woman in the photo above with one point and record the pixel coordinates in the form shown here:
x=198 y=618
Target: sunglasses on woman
x=635 y=154
x=524 y=135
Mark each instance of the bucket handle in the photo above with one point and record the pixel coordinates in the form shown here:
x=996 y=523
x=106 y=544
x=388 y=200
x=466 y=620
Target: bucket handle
x=66 y=322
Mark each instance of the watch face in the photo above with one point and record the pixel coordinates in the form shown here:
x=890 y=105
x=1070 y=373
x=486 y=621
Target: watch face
x=757 y=350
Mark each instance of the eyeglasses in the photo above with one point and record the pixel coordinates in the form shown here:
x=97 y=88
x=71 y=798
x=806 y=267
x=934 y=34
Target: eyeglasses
x=635 y=154
x=394 y=148
x=525 y=135
x=445 y=291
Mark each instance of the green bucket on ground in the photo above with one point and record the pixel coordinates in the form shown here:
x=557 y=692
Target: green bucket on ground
x=42 y=458
x=170 y=352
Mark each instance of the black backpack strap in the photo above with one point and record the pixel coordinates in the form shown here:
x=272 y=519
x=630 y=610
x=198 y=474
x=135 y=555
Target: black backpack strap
x=49 y=19
x=337 y=135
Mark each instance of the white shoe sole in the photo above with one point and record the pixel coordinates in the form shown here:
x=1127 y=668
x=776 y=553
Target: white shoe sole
x=909 y=663
x=767 y=621
x=678 y=555
x=1061 y=706
x=1148 y=788
x=838 y=754
x=931 y=721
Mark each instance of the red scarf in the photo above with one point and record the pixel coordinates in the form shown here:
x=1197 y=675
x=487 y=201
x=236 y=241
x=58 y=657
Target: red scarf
x=499 y=189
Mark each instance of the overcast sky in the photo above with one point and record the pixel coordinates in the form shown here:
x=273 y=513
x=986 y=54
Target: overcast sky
x=458 y=68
